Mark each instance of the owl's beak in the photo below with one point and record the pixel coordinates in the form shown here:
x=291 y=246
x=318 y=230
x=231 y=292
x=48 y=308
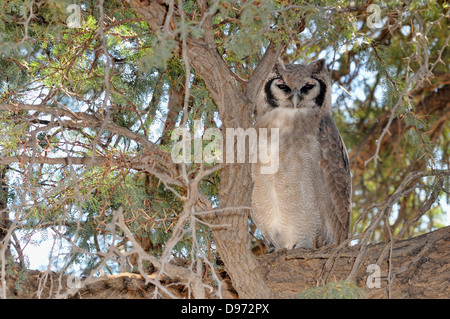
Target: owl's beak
x=296 y=98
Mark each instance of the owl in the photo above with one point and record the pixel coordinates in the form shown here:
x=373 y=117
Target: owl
x=306 y=202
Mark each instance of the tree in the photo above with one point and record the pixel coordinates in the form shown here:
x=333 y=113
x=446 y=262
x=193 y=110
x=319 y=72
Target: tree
x=91 y=95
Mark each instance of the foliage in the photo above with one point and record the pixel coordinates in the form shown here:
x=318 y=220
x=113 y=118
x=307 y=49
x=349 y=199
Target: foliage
x=113 y=69
x=334 y=290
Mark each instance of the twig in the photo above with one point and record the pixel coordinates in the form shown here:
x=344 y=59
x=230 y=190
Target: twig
x=391 y=248
x=424 y=73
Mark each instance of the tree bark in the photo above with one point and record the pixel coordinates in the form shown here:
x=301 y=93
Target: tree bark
x=174 y=107
x=417 y=268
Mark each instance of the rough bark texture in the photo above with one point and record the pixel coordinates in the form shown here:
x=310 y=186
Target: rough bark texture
x=233 y=242
x=420 y=268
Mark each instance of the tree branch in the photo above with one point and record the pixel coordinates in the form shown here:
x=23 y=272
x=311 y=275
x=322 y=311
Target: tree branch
x=70 y=160
x=80 y=119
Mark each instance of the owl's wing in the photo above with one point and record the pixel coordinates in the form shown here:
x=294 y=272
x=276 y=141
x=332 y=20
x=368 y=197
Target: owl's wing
x=336 y=171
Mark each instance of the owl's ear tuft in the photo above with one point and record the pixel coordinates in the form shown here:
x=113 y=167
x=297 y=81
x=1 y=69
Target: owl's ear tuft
x=319 y=66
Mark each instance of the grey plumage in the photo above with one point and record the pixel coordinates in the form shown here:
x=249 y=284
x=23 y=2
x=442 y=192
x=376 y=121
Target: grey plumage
x=307 y=202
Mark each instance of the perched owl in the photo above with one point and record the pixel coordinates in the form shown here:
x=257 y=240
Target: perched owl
x=307 y=201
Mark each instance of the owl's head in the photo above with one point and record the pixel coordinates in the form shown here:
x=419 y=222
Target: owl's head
x=298 y=86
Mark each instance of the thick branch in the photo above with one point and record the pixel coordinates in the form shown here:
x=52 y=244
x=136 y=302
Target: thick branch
x=418 y=268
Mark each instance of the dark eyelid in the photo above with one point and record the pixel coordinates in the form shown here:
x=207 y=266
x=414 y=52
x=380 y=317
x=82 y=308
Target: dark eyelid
x=284 y=87
x=305 y=89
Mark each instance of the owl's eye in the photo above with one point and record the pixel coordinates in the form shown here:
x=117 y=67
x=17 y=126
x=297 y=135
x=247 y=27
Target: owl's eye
x=308 y=87
x=284 y=87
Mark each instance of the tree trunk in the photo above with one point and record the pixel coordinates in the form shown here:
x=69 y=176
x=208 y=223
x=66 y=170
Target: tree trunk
x=233 y=242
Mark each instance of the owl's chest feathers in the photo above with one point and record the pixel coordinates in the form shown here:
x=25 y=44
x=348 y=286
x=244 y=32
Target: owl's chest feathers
x=288 y=120
x=288 y=199
x=298 y=131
